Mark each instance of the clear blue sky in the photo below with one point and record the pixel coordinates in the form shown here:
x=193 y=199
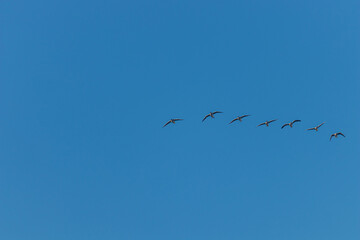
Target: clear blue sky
x=85 y=87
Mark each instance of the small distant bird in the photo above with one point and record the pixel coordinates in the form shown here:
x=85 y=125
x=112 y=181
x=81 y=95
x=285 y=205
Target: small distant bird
x=267 y=123
x=173 y=121
x=336 y=135
x=239 y=118
x=316 y=128
x=211 y=114
x=290 y=124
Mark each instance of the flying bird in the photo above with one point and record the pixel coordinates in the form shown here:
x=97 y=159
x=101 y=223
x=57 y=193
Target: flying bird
x=336 y=135
x=267 y=123
x=239 y=118
x=290 y=124
x=172 y=121
x=317 y=127
x=211 y=114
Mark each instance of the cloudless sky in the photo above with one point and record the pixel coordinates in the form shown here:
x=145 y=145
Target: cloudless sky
x=86 y=86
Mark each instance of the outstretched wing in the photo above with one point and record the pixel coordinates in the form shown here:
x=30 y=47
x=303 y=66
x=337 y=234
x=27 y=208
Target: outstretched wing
x=296 y=121
x=272 y=121
x=245 y=116
x=178 y=119
x=320 y=125
x=261 y=124
x=216 y=112
x=331 y=136
x=311 y=129
x=233 y=120
x=341 y=134
x=167 y=123
x=287 y=124
x=206 y=117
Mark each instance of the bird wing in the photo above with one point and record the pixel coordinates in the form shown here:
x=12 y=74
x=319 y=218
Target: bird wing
x=244 y=116
x=233 y=120
x=296 y=121
x=311 y=129
x=272 y=121
x=178 y=119
x=320 y=125
x=287 y=124
x=341 y=134
x=216 y=112
x=206 y=117
x=331 y=136
x=167 y=123
x=261 y=124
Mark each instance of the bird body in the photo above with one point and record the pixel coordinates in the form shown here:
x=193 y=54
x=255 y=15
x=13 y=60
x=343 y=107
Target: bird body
x=290 y=124
x=239 y=118
x=316 y=128
x=173 y=120
x=336 y=135
x=211 y=114
x=267 y=123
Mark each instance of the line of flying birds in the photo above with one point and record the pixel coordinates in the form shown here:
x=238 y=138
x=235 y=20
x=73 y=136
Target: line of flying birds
x=266 y=123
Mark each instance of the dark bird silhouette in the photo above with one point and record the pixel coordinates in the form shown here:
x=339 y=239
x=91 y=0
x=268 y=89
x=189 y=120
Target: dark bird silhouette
x=267 y=123
x=211 y=114
x=239 y=118
x=290 y=124
x=172 y=121
x=316 y=128
x=336 y=135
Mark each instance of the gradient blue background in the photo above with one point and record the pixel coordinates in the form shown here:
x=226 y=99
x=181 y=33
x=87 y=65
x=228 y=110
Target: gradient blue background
x=85 y=87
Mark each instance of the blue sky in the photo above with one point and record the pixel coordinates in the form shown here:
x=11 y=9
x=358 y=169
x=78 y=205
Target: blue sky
x=87 y=85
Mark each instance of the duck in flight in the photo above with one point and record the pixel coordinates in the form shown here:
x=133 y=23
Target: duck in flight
x=239 y=118
x=267 y=123
x=172 y=121
x=316 y=128
x=290 y=124
x=336 y=135
x=211 y=114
